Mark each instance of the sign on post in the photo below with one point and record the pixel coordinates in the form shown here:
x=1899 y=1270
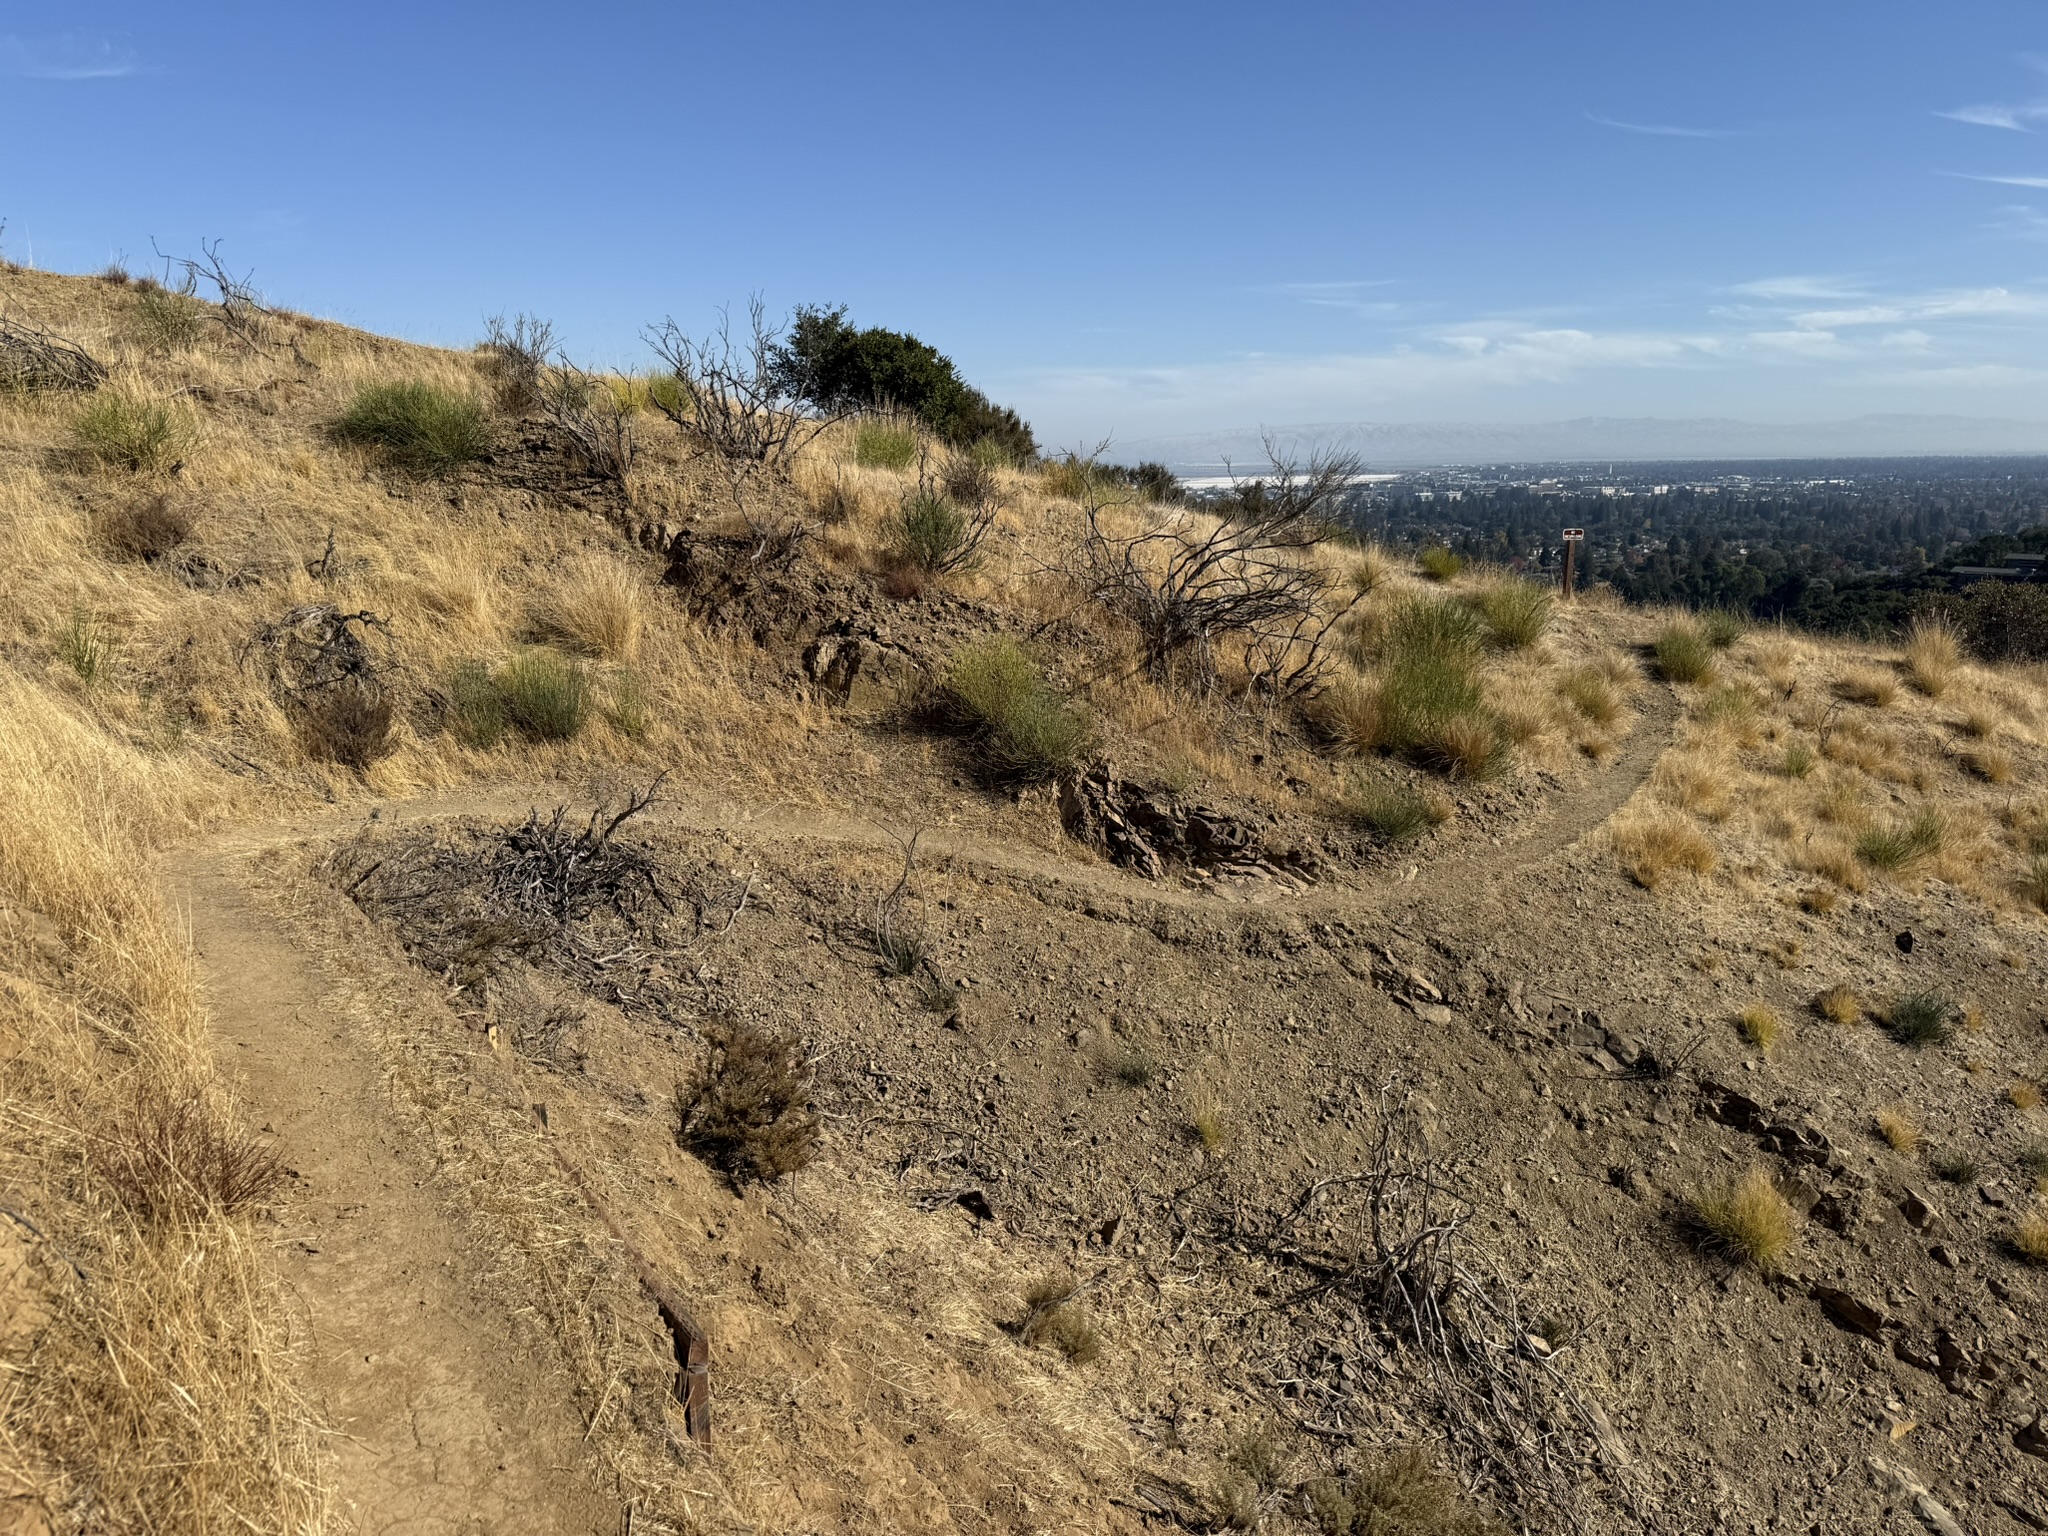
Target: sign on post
x=1573 y=538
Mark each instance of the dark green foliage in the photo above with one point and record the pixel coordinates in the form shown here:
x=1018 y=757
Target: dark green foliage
x=423 y=429
x=1920 y=1018
x=838 y=366
x=1402 y=1496
x=746 y=1109
x=1431 y=706
x=2000 y=620
x=1026 y=729
x=1154 y=482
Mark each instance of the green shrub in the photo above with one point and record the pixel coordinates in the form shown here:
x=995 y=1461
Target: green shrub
x=476 y=709
x=1402 y=1496
x=1903 y=844
x=881 y=444
x=1683 y=655
x=2000 y=620
x=1721 y=627
x=1920 y=1018
x=1592 y=694
x=1072 y=477
x=423 y=428
x=132 y=432
x=1439 y=563
x=1397 y=812
x=1798 y=761
x=166 y=321
x=934 y=535
x=1027 y=729
x=1515 y=613
x=546 y=694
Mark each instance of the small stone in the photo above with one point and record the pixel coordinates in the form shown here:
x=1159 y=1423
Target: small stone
x=1945 y=1256
x=1919 y=1211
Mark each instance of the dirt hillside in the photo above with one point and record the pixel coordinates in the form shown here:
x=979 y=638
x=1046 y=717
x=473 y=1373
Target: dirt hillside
x=544 y=995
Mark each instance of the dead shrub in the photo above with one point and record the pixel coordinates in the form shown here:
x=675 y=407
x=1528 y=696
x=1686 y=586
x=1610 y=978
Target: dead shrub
x=144 y=529
x=1057 y=1321
x=348 y=723
x=1900 y=1128
x=746 y=1109
x=179 y=1157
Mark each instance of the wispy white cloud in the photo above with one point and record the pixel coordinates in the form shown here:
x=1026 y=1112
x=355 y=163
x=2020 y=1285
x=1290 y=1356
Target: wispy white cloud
x=1668 y=130
x=69 y=56
x=1798 y=287
x=1350 y=294
x=1990 y=115
x=2002 y=181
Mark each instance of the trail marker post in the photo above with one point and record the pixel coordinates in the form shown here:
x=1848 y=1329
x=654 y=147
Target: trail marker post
x=1573 y=538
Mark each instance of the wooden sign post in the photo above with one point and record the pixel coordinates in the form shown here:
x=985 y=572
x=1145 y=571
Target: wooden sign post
x=1573 y=538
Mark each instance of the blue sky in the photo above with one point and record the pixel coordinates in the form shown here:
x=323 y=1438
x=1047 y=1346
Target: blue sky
x=1125 y=219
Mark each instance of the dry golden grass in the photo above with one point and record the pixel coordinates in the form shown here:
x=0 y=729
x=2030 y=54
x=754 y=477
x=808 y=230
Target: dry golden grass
x=162 y=1391
x=1778 y=661
x=1994 y=765
x=1934 y=654
x=1695 y=781
x=2024 y=1095
x=1761 y=1026
x=1876 y=687
x=1747 y=1219
x=599 y=607
x=1900 y=1127
x=2030 y=1238
x=1653 y=846
x=1833 y=861
x=1983 y=720
x=1839 y=1004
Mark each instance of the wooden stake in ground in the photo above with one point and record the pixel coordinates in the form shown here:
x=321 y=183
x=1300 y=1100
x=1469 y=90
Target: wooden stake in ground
x=1573 y=538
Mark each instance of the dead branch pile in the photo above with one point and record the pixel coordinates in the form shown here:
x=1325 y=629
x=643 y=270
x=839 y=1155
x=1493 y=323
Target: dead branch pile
x=32 y=358
x=593 y=421
x=1143 y=829
x=238 y=308
x=1407 y=1309
x=467 y=900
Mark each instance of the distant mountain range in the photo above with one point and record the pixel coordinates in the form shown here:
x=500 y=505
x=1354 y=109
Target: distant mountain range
x=1386 y=444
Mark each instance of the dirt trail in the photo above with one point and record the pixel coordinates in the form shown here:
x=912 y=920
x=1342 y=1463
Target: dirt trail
x=445 y=1421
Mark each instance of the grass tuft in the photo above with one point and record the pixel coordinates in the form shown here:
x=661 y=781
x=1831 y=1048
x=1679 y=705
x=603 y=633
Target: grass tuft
x=1398 y=813
x=1761 y=1026
x=1934 y=652
x=1593 y=694
x=1954 y=1167
x=1839 y=1004
x=1875 y=687
x=1654 y=846
x=1401 y=1496
x=545 y=694
x=1897 y=848
x=2024 y=1095
x=1748 y=1219
x=1057 y=1321
x=881 y=444
x=1683 y=655
x=1515 y=613
x=1920 y=1019
x=1027 y=730
x=422 y=428
x=119 y=429
x=1722 y=627
x=2030 y=1239
x=1439 y=563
